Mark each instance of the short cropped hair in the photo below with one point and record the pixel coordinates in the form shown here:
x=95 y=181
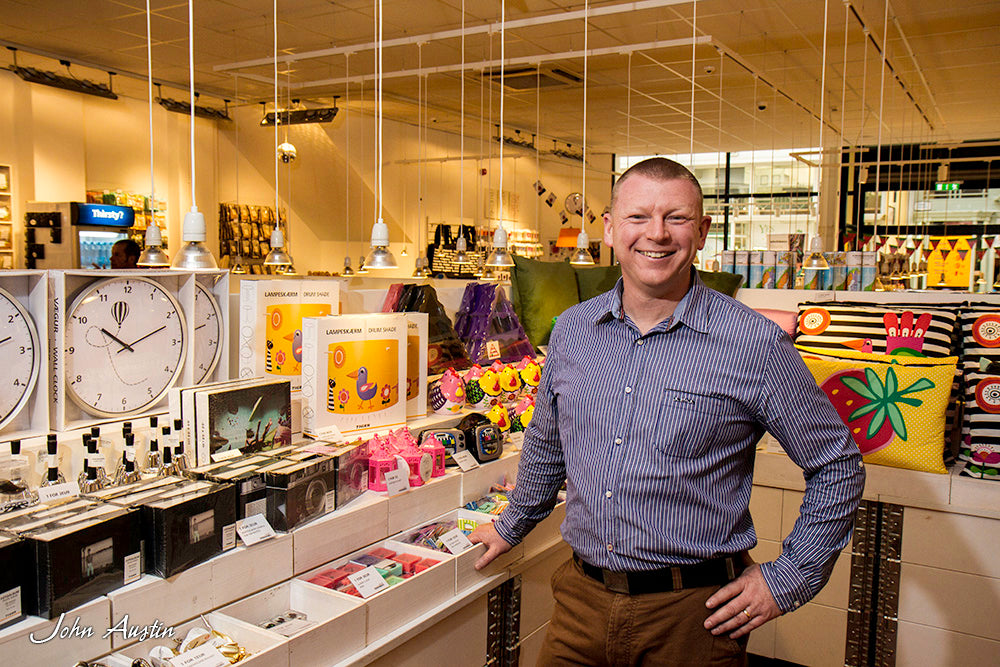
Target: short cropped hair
x=130 y=247
x=658 y=169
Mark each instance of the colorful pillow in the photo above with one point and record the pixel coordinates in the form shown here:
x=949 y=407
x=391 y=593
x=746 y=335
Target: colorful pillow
x=979 y=452
x=909 y=330
x=721 y=281
x=894 y=406
x=597 y=280
x=541 y=291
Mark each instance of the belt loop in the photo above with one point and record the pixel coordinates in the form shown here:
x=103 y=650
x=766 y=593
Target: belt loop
x=730 y=569
x=677 y=577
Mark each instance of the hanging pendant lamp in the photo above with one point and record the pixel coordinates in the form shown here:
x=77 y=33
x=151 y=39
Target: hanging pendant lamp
x=194 y=254
x=152 y=255
x=581 y=256
x=277 y=256
x=380 y=257
x=500 y=256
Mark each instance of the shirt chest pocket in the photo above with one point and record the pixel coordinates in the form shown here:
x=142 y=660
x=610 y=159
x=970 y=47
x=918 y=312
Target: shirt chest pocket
x=690 y=423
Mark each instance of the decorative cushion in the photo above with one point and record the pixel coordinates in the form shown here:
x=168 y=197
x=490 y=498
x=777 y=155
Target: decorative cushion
x=541 y=291
x=785 y=319
x=980 y=363
x=597 y=280
x=909 y=330
x=894 y=406
x=721 y=281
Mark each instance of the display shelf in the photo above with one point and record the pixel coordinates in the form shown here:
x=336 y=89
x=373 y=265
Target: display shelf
x=67 y=645
x=338 y=628
x=477 y=482
x=424 y=502
x=359 y=523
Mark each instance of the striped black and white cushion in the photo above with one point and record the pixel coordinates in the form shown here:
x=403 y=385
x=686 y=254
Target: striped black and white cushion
x=882 y=329
x=980 y=363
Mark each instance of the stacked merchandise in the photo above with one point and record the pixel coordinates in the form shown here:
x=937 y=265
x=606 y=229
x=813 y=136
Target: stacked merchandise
x=444 y=348
x=245 y=231
x=489 y=327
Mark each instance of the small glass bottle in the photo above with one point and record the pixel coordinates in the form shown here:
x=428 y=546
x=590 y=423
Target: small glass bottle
x=52 y=476
x=153 y=460
x=180 y=458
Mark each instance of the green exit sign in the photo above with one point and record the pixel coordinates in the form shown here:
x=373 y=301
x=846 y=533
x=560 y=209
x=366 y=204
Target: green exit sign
x=946 y=187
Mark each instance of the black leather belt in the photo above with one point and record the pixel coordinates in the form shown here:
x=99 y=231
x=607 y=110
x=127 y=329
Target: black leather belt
x=715 y=572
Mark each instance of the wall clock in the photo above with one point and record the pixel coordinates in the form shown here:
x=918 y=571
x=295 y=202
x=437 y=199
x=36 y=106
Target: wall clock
x=207 y=333
x=125 y=342
x=20 y=355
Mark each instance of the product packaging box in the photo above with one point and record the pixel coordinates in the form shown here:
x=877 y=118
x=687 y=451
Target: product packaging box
x=300 y=491
x=17 y=580
x=246 y=473
x=351 y=462
x=247 y=418
x=271 y=313
x=82 y=550
x=184 y=522
x=353 y=371
x=416 y=365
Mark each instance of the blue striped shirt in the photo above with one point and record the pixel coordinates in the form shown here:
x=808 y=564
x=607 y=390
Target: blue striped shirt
x=656 y=434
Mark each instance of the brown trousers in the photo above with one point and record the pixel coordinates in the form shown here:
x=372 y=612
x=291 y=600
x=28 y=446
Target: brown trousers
x=592 y=626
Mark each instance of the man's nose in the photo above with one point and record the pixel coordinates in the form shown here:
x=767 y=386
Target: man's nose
x=657 y=229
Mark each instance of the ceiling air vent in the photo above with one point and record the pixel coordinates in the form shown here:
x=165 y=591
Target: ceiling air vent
x=527 y=77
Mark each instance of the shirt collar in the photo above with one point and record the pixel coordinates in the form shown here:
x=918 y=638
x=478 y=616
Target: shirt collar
x=692 y=310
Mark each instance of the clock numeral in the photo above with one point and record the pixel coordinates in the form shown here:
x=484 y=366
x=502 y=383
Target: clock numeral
x=103 y=297
x=150 y=390
x=173 y=342
x=17 y=382
x=70 y=350
x=166 y=368
x=10 y=319
x=79 y=378
x=128 y=290
x=82 y=319
x=21 y=350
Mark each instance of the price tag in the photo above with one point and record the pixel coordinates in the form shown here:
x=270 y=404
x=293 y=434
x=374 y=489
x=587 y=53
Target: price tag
x=368 y=581
x=517 y=439
x=57 y=492
x=256 y=507
x=331 y=433
x=228 y=537
x=465 y=460
x=396 y=481
x=226 y=455
x=493 y=349
x=96 y=460
x=205 y=655
x=133 y=567
x=331 y=501
x=254 y=529
x=292 y=627
x=10 y=604
x=455 y=541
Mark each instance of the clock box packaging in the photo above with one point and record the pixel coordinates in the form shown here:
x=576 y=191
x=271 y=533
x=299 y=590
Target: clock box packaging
x=24 y=396
x=184 y=522
x=17 y=579
x=82 y=550
x=271 y=313
x=247 y=476
x=300 y=491
x=248 y=418
x=208 y=328
x=354 y=373
x=416 y=365
x=180 y=402
x=118 y=341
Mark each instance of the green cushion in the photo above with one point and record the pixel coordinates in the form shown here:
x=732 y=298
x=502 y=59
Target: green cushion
x=596 y=280
x=721 y=281
x=541 y=291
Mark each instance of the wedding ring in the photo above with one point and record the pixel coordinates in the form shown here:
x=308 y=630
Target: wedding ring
x=747 y=614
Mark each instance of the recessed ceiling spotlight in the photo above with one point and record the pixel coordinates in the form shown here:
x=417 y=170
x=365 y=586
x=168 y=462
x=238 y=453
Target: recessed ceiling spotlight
x=708 y=69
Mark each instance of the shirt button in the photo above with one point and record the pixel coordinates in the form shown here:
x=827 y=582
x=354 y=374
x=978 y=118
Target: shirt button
x=640 y=342
x=611 y=547
x=618 y=441
x=607 y=494
x=628 y=390
x=796 y=603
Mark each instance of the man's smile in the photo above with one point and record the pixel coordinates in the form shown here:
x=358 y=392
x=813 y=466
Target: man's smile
x=655 y=254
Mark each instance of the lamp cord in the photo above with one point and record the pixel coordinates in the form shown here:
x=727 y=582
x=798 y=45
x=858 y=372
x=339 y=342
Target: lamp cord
x=191 y=82
x=277 y=117
x=583 y=190
x=149 y=80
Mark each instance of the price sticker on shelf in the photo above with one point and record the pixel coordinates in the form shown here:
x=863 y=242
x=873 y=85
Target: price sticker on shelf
x=455 y=541
x=492 y=349
x=396 y=481
x=517 y=439
x=133 y=567
x=228 y=537
x=330 y=433
x=465 y=460
x=219 y=457
x=254 y=529
x=205 y=655
x=10 y=604
x=57 y=492
x=368 y=581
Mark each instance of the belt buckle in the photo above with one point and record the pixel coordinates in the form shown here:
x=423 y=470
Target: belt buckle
x=616 y=582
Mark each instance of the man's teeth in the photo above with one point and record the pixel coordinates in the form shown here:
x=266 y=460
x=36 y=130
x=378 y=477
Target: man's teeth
x=653 y=255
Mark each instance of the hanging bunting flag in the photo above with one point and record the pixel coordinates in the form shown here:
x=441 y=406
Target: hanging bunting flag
x=865 y=239
x=988 y=241
x=848 y=240
x=909 y=251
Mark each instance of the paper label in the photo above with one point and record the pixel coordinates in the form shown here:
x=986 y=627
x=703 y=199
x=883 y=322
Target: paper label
x=218 y=457
x=57 y=492
x=229 y=537
x=455 y=541
x=292 y=627
x=368 y=581
x=465 y=460
x=205 y=655
x=517 y=439
x=331 y=501
x=254 y=529
x=331 y=432
x=133 y=567
x=256 y=507
x=492 y=349
x=96 y=460
x=396 y=481
x=10 y=604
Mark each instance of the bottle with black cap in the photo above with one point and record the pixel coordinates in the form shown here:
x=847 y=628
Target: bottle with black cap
x=169 y=467
x=52 y=476
x=180 y=458
x=153 y=454
x=91 y=481
x=128 y=474
x=81 y=479
x=15 y=493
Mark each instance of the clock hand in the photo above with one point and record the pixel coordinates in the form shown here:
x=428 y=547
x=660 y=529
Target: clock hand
x=125 y=346
x=196 y=328
x=145 y=337
x=9 y=337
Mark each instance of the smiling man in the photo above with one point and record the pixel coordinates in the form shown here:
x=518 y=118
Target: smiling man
x=652 y=400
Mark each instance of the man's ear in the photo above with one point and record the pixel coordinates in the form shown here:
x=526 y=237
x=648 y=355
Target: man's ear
x=703 y=227
x=608 y=230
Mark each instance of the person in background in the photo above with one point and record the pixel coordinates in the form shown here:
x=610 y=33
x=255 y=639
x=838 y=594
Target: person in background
x=125 y=254
x=652 y=401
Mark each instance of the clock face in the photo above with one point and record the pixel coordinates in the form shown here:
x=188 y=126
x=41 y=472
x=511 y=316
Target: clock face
x=20 y=355
x=124 y=346
x=207 y=333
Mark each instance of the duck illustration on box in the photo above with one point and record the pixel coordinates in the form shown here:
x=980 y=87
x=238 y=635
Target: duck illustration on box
x=283 y=341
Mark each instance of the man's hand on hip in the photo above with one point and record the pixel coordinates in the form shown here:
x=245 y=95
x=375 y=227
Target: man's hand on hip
x=745 y=603
x=495 y=545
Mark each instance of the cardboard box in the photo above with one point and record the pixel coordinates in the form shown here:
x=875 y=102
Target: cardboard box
x=271 y=313
x=416 y=365
x=17 y=580
x=251 y=417
x=246 y=474
x=300 y=491
x=353 y=373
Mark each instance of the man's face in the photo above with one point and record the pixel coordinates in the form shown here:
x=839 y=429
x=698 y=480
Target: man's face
x=656 y=227
x=120 y=260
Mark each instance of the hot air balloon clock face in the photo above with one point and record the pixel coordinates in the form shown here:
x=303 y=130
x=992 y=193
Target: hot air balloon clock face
x=124 y=346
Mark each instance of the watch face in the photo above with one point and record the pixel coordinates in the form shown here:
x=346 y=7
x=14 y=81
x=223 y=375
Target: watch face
x=20 y=354
x=125 y=344
x=207 y=333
